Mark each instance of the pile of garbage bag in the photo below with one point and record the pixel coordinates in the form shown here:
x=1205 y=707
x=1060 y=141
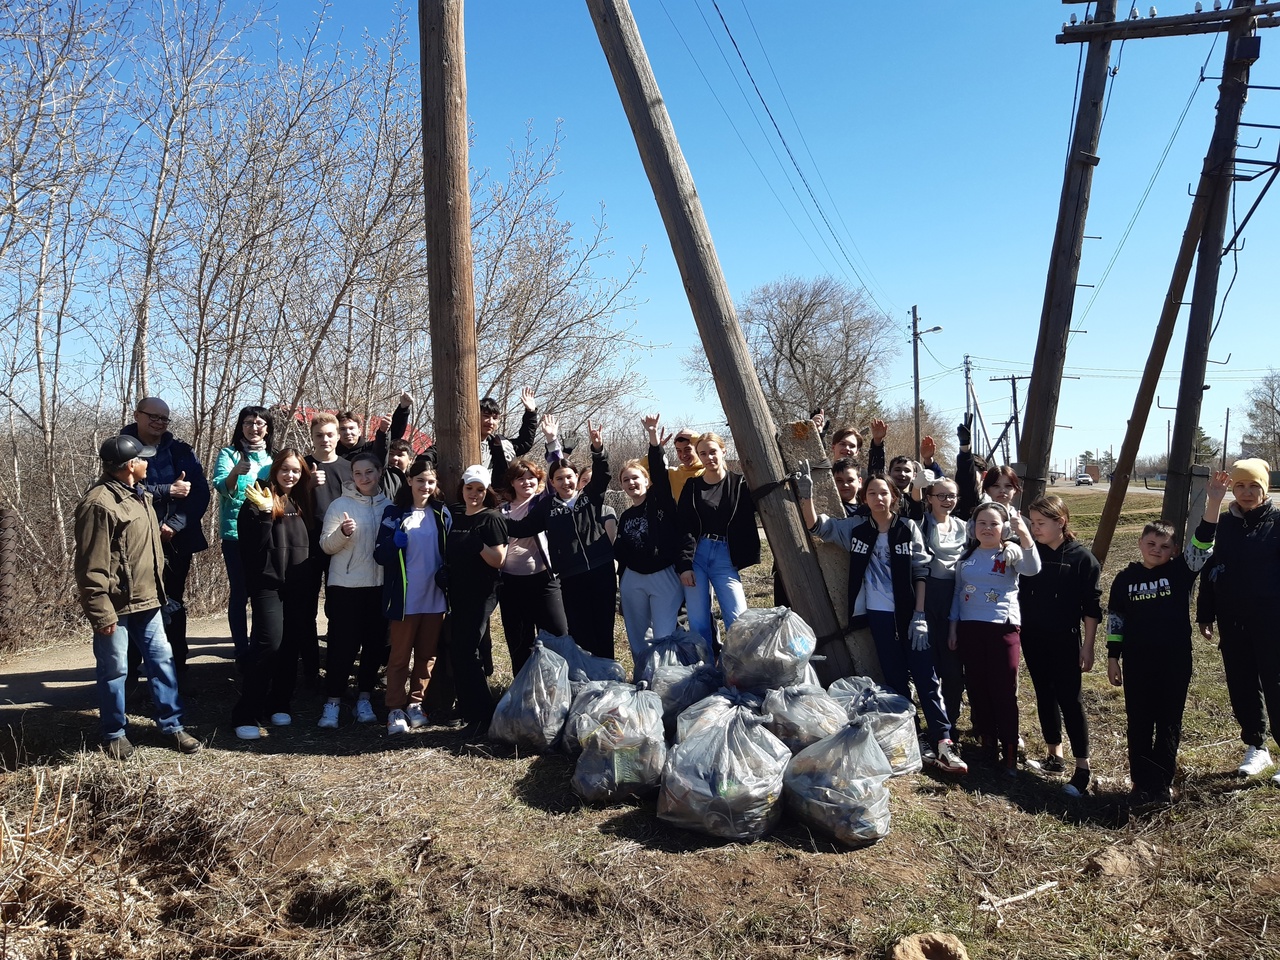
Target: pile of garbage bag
x=803 y=714
x=583 y=666
x=682 y=687
x=892 y=719
x=532 y=712
x=837 y=785
x=683 y=648
x=768 y=649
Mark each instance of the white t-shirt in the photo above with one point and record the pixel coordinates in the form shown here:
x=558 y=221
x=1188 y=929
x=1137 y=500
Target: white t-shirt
x=421 y=561
x=878 y=583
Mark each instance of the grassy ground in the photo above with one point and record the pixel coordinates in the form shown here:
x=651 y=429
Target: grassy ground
x=348 y=843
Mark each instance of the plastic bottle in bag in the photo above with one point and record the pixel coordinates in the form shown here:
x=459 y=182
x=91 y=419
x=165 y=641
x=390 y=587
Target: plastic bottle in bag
x=837 y=785
x=767 y=649
x=892 y=719
x=624 y=753
x=803 y=715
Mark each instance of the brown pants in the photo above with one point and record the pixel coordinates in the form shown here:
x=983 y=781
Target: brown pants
x=416 y=636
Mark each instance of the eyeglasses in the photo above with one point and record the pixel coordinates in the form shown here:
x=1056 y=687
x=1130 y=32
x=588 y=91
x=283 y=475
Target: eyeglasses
x=943 y=496
x=154 y=417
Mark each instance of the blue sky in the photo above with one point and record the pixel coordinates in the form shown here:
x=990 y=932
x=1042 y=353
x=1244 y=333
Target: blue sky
x=935 y=143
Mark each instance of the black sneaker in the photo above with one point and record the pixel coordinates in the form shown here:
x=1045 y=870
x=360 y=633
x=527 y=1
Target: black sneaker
x=186 y=743
x=1053 y=764
x=1078 y=785
x=118 y=749
x=927 y=754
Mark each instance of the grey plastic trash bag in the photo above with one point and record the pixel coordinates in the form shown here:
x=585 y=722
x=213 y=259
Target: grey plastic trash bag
x=892 y=719
x=803 y=715
x=767 y=649
x=682 y=687
x=624 y=749
x=532 y=712
x=707 y=709
x=726 y=779
x=590 y=699
x=583 y=666
x=682 y=648
x=837 y=785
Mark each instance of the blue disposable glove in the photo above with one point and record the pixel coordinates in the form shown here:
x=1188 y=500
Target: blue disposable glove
x=401 y=539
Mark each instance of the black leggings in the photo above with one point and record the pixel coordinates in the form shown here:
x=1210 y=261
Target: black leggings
x=356 y=627
x=271 y=670
x=528 y=603
x=468 y=616
x=1053 y=660
x=591 y=606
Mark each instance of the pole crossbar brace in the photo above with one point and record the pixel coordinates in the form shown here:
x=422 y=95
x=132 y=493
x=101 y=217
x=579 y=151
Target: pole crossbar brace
x=1210 y=21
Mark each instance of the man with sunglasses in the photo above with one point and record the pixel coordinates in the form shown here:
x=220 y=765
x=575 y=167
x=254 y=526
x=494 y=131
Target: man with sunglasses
x=179 y=496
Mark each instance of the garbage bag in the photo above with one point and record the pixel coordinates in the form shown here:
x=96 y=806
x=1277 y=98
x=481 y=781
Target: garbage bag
x=767 y=649
x=892 y=719
x=532 y=712
x=726 y=778
x=590 y=700
x=803 y=715
x=624 y=749
x=682 y=687
x=707 y=709
x=837 y=785
x=681 y=648
x=583 y=666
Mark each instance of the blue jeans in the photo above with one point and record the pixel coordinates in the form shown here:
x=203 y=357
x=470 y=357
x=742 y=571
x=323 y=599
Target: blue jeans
x=238 y=599
x=713 y=570
x=900 y=665
x=111 y=651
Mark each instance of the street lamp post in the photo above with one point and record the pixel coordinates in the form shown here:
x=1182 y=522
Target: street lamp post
x=916 y=334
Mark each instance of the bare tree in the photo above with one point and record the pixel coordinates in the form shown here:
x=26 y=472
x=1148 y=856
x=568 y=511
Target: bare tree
x=1263 y=437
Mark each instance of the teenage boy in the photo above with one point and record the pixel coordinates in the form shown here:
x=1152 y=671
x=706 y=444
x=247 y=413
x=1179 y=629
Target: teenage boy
x=687 y=465
x=496 y=451
x=351 y=431
x=331 y=473
x=1149 y=631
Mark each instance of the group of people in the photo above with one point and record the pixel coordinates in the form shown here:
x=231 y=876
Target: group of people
x=951 y=583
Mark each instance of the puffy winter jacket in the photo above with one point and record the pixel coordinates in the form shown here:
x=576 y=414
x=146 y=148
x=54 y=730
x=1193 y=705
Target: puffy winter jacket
x=352 y=563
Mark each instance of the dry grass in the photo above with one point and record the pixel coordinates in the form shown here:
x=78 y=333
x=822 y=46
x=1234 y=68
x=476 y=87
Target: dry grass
x=352 y=844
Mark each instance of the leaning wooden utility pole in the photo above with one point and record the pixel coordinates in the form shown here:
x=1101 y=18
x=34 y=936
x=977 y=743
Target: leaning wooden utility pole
x=704 y=283
x=1242 y=50
x=449 y=262
x=1064 y=266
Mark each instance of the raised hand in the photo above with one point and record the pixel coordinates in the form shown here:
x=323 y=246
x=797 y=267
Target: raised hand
x=348 y=526
x=596 y=433
x=406 y=398
x=964 y=430
x=550 y=427
x=320 y=477
x=650 y=420
x=927 y=449
x=819 y=421
x=1219 y=484
x=879 y=430
x=803 y=478
x=180 y=487
x=258 y=496
x=528 y=399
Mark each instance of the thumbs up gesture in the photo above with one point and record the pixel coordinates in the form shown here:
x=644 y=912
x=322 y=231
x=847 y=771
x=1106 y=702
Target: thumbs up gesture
x=319 y=476
x=348 y=526
x=180 y=487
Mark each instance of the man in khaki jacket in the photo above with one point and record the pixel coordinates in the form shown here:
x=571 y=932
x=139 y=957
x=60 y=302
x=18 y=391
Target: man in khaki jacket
x=119 y=568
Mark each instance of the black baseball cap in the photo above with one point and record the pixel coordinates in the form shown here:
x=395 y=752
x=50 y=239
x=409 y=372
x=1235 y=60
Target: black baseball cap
x=118 y=451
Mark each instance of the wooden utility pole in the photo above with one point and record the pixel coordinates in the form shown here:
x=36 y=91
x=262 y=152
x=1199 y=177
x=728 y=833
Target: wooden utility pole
x=449 y=263
x=712 y=307
x=1064 y=266
x=1219 y=163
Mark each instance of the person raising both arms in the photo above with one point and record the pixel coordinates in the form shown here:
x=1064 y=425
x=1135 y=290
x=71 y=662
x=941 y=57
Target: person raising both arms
x=496 y=451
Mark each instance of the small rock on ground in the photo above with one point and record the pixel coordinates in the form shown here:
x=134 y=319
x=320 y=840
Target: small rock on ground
x=929 y=946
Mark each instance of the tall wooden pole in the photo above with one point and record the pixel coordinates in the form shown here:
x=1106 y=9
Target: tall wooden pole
x=1064 y=266
x=449 y=262
x=1219 y=164
x=704 y=283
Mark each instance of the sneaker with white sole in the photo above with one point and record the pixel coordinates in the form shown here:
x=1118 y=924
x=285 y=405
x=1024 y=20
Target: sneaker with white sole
x=927 y=753
x=397 y=722
x=329 y=716
x=1276 y=779
x=249 y=731
x=364 y=711
x=281 y=719
x=1256 y=759
x=415 y=716
x=947 y=760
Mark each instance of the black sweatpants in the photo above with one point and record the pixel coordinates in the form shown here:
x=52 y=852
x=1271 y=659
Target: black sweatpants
x=1251 y=659
x=591 y=606
x=309 y=638
x=469 y=614
x=356 y=628
x=271 y=670
x=1053 y=660
x=937 y=613
x=529 y=603
x=1155 y=694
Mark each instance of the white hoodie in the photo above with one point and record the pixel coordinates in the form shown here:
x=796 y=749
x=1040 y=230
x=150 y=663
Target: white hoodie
x=353 y=564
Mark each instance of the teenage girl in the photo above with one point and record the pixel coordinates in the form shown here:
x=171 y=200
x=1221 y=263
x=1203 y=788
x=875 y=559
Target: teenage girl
x=985 y=619
x=410 y=547
x=274 y=540
x=944 y=539
x=1066 y=591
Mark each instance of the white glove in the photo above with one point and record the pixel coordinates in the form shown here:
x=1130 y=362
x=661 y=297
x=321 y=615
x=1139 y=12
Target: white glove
x=918 y=631
x=921 y=475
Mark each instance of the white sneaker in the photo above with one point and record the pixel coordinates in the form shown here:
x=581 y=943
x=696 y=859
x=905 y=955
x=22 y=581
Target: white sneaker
x=1256 y=759
x=364 y=711
x=281 y=720
x=249 y=732
x=415 y=716
x=329 y=716
x=397 y=722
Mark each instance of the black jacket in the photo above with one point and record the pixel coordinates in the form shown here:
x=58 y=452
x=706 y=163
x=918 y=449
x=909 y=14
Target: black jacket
x=908 y=563
x=744 y=540
x=275 y=553
x=647 y=537
x=182 y=515
x=378 y=445
x=1066 y=590
x=576 y=537
x=1242 y=579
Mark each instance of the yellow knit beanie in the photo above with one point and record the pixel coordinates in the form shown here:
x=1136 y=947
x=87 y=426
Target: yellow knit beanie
x=1247 y=471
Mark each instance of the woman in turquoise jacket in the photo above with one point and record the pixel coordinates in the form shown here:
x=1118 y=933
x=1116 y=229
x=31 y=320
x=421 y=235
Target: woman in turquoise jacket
x=246 y=459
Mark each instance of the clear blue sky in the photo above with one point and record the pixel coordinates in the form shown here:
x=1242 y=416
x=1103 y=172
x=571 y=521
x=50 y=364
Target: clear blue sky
x=935 y=143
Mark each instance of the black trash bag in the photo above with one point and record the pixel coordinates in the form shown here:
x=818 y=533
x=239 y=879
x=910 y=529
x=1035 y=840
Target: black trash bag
x=624 y=750
x=892 y=719
x=803 y=715
x=708 y=708
x=583 y=666
x=767 y=649
x=837 y=785
x=682 y=648
x=682 y=687
x=726 y=779
x=590 y=699
x=532 y=712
